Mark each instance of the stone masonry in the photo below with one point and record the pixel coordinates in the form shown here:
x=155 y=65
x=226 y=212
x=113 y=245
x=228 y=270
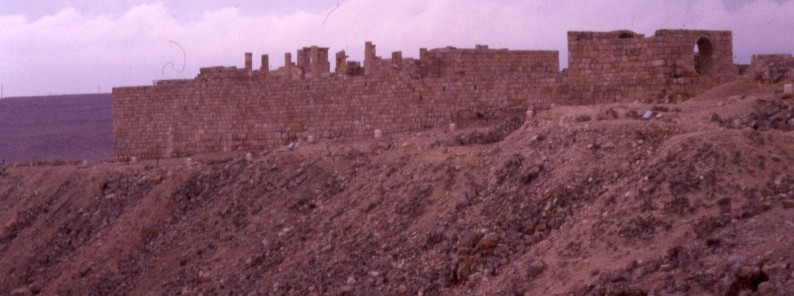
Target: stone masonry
x=623 y=65
x=772 y=68
x=233 y=109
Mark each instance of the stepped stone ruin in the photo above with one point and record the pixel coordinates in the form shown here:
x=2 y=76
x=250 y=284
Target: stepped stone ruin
x=231 y=109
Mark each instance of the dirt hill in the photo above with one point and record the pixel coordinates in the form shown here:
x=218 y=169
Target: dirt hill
x=73 y=127
x=695 y=198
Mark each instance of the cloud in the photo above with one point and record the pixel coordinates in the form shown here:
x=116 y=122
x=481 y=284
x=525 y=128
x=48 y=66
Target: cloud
x=75 y=52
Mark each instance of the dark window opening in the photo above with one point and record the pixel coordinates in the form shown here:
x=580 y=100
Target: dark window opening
x=704 y=56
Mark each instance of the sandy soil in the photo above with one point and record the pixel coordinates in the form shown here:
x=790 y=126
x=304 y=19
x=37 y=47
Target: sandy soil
x=695 y=199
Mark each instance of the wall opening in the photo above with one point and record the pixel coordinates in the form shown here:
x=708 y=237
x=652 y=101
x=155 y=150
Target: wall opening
x=704 y=56
x=625 y=35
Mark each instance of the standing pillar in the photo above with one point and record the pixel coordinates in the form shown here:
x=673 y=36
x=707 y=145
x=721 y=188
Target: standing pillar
x=302 y=61
x=265 y=67
x=325 y=65
x=397 y=58
x=288 y=65
x=249 y=63
x=369 y=58
x=424 y=62
x=315 y=62
x=341 y=63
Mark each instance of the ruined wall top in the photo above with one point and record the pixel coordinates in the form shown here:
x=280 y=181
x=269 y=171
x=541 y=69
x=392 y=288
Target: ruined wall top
x=313 y=62
x=588 y=35
x=628 y=34
x=590 y=53
x=231 y=108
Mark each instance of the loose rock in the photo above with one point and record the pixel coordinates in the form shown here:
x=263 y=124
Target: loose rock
x=536 y=268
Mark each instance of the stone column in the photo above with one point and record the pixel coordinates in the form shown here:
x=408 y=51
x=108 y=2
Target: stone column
x=315 y=62
x=249 y=63
x=265 y=65
x=369 y=58
x=424 y=62
x=302 y=61
x=397 y=58
x=325 y=65
x=288 y=65
x=341 y=63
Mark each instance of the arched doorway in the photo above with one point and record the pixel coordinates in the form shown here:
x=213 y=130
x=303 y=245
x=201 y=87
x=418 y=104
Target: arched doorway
x=704 y=56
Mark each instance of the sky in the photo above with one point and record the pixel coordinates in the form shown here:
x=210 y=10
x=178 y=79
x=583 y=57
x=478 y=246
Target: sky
x=81 y=46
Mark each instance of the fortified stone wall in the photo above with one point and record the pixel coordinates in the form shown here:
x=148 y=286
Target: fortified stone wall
x=772 y=68
x=230 y=108
x=456 y=62
x=622 y=65
x=763 y=60
x=481 y=61
x=196 y=116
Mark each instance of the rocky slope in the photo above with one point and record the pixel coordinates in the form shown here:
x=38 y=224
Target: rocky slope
x=695 y=198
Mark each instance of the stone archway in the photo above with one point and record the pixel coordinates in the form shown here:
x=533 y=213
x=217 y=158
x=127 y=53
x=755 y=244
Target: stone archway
x=704 y=56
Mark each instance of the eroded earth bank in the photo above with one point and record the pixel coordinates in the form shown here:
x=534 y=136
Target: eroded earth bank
x=693 y=198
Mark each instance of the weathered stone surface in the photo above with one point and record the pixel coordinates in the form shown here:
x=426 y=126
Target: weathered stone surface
x=230 y=109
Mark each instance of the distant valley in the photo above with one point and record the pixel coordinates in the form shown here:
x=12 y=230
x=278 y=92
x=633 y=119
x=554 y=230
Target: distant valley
x=67 y=127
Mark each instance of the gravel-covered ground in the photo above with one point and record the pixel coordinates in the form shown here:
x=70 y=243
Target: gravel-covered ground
x=697 y=198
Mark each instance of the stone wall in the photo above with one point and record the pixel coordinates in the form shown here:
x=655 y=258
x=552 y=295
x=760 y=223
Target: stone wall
x=229 y=109
x=456 y=62
x=772 y=68
x=622 y=65
x=446 y=62
x=191 y=117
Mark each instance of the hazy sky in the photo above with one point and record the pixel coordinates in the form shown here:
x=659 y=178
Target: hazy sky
x=79 y=46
